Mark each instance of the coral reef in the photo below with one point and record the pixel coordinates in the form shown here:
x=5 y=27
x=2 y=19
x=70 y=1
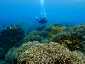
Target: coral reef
x=71 y=40
x=11 y=36
x=52 y=53
x=70 y=36
x=48 y=44
x=3 y=62
x=11 y=56
x=36 y=36
x=33 y=36
x=2 y=52
x=54 y=29
x=44 y=35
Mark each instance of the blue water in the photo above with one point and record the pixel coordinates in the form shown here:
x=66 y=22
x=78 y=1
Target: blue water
x=24 y=13
x=58 y=11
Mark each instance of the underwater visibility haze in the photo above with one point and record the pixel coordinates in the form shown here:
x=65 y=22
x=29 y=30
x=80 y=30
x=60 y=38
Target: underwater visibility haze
x=42 y=31
x=58 y=11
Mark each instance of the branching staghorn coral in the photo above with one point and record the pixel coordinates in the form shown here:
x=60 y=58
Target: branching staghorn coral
x=80 y=30
x=54 y=29
x=33 y=36
x=71 y=40
x=74 y=39
x=44 y=35
x=36 y=36
x=52 y=53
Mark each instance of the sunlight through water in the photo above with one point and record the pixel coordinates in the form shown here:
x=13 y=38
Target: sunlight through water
x=43 y=9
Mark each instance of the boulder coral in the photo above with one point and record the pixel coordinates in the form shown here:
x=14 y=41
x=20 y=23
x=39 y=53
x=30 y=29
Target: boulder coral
x=52 y=53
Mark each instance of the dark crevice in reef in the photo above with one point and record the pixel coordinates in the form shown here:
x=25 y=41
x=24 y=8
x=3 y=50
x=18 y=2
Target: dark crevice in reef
x=10 y=36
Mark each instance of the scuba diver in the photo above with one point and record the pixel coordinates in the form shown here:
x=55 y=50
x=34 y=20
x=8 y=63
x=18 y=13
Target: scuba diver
x=42 y=23
x=42 y=20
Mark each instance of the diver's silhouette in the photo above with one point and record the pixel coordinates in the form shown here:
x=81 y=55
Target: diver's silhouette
x=42 y=20
x=42 y=23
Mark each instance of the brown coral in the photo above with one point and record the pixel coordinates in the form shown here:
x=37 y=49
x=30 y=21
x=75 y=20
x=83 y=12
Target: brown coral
x=70 y=39
x=52 y=53
x=54 y=29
